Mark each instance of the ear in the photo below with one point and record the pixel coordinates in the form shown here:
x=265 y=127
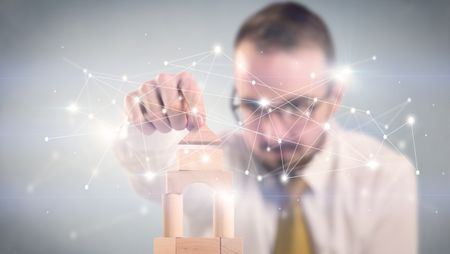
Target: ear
x=336 y=95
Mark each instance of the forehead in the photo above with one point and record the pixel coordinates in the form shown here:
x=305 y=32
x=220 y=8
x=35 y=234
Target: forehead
x=279 y=74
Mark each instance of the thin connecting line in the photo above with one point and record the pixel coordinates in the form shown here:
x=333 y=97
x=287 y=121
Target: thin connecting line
x=280 y=94
x=414 y=147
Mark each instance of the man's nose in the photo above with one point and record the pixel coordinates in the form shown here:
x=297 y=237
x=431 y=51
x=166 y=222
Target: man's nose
x=273 y=127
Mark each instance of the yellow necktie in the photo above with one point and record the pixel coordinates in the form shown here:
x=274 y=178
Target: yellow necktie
x=292 y=236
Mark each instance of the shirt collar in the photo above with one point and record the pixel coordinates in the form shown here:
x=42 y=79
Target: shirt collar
x=317 y=172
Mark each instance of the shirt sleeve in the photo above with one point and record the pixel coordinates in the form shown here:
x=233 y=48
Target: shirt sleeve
x=146 y=158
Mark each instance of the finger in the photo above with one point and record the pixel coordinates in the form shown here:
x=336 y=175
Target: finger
x=151 y=101
x=168 y=85
x=146 y=126
x=132 y=110
x=193 y=103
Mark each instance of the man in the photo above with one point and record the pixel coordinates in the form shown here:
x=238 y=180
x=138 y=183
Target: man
x=303 y=184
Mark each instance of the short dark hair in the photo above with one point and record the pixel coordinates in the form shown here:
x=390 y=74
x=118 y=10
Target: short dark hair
x=286 y=25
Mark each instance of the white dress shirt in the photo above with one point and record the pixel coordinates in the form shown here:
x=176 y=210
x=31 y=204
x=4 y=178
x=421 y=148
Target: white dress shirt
x=361 y=195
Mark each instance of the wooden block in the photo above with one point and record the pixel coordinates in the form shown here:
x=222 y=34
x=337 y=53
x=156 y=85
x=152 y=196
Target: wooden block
x=199 y=157
x=197 y=245
x=220 y=180
x=173 y=215
x=202 y=136
x=164 y=245
x=231 y=246
x=223 y=219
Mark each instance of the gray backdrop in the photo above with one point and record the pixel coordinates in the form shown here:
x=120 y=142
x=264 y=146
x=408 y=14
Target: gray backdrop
x=44 y=45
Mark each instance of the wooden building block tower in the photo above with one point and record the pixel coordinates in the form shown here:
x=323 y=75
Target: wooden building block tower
x=199 y=160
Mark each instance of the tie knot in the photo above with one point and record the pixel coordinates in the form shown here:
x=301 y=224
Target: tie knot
x=295 y=189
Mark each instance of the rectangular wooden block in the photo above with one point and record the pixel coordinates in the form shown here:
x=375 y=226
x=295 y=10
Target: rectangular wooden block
x=199 y=158
x=196 y=245
x=164 y=245
x=176 y=181
x=231 y=246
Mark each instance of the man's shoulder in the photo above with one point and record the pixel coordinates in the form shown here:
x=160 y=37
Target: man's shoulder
x=377 y=155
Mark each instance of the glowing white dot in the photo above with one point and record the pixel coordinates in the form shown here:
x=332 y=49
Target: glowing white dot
x=263 y=102
x=86 y=187
x=368 y=112
x=180 y=98
x=268 y=149
x=90 y=75
x=194 y=63
x=279 y=141
x=372 y=164
x=186 y=151
x=253 y=82
x=72 y=108
x=73 y=235
x=364 y=192
x=352 y=110
x=147 y=159
x=124 y=78
x=374 y=58
x=143 y=210
x=84 y=70
x=347 y=70
x=166 y=63
x=164 y=111
x=312 y=75
x=149 y=176
x=137 y=99
x=46 y=139
x=91 y=116
x=259 y=178
x=343 y=74
x=385 y=136
x=386 y=126
x=217 y=49
x=284 y=178
x=194 y=110
x=113 y=101
x=30 y=188
x=409 y=99
x=241 y=66
x=411 y=120
x=326 y=126
x=417 y=172
x=246 y=172
x=205 y=158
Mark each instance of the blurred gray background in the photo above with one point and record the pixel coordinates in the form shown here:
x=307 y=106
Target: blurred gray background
x=44 y=46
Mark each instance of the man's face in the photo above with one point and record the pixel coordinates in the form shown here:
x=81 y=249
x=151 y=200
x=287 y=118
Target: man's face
x=283 y=122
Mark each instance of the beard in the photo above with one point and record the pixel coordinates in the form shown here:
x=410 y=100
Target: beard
x=290 y=155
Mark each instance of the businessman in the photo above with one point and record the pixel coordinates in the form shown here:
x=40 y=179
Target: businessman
x=303 y=184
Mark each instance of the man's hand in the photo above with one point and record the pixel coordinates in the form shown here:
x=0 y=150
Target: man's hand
x=171 y=101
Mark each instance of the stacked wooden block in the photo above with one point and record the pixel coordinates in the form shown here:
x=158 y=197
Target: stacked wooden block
x=199 y=160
